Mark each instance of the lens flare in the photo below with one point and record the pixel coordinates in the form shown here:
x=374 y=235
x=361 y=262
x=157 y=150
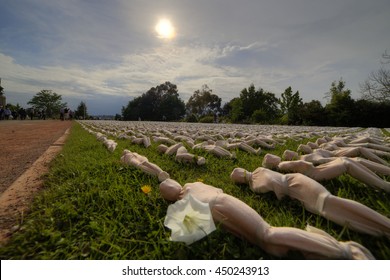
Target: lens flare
x=165 y=29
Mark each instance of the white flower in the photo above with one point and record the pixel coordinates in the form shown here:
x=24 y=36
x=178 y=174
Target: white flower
x=189 y=219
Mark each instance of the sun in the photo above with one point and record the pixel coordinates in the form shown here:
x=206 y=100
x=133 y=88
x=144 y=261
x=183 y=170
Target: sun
x=165 y=29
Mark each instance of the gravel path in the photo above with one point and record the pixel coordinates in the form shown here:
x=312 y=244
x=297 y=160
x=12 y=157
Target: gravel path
x=26 y=148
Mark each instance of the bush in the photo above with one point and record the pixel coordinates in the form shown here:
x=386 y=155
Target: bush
x=206 y=119
x=192 y=118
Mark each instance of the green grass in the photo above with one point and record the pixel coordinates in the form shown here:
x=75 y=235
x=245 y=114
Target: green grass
x=92 y=207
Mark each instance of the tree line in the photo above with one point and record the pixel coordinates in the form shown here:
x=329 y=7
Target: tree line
x=257 y=106
x=162 y=103
x=47 y=103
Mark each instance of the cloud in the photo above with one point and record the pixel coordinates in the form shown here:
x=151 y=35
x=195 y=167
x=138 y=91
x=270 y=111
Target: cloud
x=109 y=51
x=225 y=69
x=189 y=67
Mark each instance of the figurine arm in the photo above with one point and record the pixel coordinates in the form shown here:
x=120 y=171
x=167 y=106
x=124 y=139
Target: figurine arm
x=373 y=166
x=190 y=158
x=356 y=216
x=296 y=166
x=241 y=220
x=356 y=170
x=313 y=244
x=218 y=151
x=142 y=163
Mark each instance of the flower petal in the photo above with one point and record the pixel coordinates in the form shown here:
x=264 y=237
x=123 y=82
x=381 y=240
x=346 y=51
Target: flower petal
x=189 y=219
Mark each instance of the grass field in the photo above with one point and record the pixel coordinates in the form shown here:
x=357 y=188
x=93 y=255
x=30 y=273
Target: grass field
x=92 y=207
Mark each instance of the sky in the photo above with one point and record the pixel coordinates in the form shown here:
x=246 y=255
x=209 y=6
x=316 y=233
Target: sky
x=106 y=53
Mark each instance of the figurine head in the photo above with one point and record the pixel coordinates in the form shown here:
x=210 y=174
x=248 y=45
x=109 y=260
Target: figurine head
x=271 y=161
x=290 y=155
x=239 y=175
x=170 y=189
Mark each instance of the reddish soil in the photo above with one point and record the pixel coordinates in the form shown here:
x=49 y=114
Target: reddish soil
x=26 y=149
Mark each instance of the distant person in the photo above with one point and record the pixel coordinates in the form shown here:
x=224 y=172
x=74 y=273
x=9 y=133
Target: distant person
x=216 y=118
x=31 y=113
x=66 y=113
x=7 y=113
x=22 y=113
x=62 y=114
x=14 y=115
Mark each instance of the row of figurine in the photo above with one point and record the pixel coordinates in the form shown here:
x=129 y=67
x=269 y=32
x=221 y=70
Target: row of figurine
x=327 y=158
x=313 y=165
x=221 y=145
x=197 y=132
x=171 y=134
x=240 y=219
x=181 y=152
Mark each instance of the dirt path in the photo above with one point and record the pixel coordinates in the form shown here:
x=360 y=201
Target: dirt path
x=26 y=148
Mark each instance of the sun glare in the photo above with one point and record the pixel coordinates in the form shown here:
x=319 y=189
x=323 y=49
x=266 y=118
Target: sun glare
x=165 y=29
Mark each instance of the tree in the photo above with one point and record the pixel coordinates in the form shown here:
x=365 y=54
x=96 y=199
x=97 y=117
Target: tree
x=252 y=106
x=158 y=103
x=172 y=108
x=203 y=102
x=233 y=110
x=341 y=107
x=270 y=107
x=48 y=101
x=250 y=100
x=313 y=113
x=377 y=86
x=291 y=105
x=133 y=110
x=372 y=114
x=81 y=112
x=258 y=106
